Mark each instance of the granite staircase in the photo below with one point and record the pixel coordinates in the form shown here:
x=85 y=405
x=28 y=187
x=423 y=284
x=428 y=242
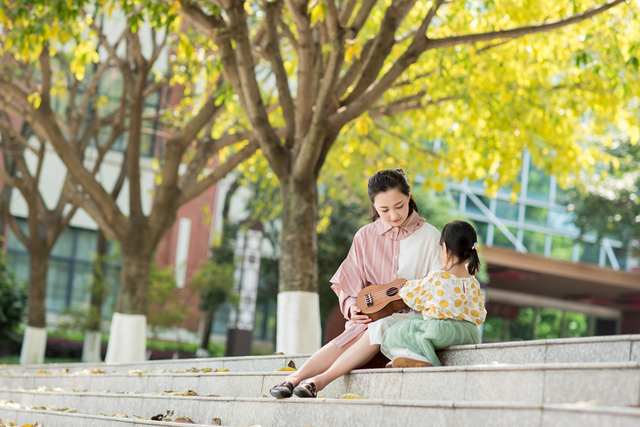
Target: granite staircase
x=564 y=382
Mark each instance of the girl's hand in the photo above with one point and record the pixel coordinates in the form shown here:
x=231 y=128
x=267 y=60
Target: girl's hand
x=356 y=317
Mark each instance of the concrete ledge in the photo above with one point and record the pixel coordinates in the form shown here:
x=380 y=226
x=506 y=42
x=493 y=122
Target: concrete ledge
x=66 y=419
x=349 y=412
x=615 y=348
x=615 y=383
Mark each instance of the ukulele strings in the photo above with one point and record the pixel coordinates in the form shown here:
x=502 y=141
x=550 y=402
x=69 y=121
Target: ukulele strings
x=383 y=292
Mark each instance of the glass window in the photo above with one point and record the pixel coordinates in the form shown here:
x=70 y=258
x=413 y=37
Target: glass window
x=621 y=257
x=538 y=185
x=506 y=210
x=577 y=325
x=549 y=323
x=589 y=252
x=21 y=264
x=562 y=248
x=500 y=239
x=57 y=285
x=562 y=221
x=111 y=298
x=493 y=329
x=473 y=208
x=481 y=230
x=522 y=327
x=534 y=242
x=605 y=327
x=64 y=245
x=535 y=216
x=81 y=287
x=13 y=243
x=86 y=246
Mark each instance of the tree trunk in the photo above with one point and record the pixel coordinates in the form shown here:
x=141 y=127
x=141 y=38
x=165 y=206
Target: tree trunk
x=98 y=285
x=91 y=349
x=298 y=320
x=128 y=332
x=206 y=334
x=34 y=342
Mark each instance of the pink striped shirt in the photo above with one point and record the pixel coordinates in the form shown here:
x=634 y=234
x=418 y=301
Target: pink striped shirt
x=373 y=259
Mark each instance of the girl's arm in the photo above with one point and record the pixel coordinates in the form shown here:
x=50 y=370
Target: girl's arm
x=416 y=292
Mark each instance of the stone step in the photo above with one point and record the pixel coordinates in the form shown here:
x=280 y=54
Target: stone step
x=614 y=348
x=295 y=412
x=614 y=384
x=237 y=364
x=49 y=418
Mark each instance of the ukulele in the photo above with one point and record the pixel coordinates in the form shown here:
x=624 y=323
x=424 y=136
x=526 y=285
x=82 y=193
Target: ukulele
x=378 y=301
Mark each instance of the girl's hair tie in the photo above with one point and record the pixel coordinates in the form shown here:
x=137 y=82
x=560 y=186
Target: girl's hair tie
x=400 y=170
x=475 y=246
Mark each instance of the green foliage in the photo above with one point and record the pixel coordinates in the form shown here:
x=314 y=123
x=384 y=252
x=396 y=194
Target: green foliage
x=13 y=301
x=608 y=204
x=166 y=308
x=214 y=282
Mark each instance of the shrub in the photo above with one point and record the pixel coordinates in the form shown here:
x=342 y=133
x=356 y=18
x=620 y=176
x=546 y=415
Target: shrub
x=13 y=302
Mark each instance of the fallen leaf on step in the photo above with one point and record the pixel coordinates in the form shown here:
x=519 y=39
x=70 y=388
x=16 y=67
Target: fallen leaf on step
x=181 y=393
x=96 y=371
x=192 y=370
x=216 y=422
x=134 y=371
x=44 y=373
x=206 y=369
x=264 y=395
x=162 y=417
x=184 y=420
x=279 y=353
x=213 y=395
x=286 y=368
x=118 y=415
x=351 y=396
x=292 y=364
x=222 y=370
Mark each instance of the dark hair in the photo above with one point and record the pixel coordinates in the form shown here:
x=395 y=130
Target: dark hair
x=461 y=239
x=386 y=180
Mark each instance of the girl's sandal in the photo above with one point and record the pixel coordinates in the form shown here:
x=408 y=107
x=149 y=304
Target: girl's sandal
x=282 y=390
x=306 y=390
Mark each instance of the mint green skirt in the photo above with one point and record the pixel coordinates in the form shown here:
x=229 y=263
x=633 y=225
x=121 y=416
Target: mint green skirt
x=424 y=337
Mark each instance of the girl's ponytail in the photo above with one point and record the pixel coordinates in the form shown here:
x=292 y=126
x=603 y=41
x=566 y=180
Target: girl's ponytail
x=474 y=260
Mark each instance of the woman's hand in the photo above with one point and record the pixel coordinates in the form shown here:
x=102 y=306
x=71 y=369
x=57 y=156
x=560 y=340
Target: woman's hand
x=356 y=317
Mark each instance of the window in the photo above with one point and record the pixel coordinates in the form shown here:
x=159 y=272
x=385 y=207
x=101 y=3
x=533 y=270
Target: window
x=70 y=271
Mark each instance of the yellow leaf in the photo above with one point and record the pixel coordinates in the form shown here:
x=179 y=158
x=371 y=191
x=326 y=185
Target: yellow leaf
x=286 y=368
x=351 y=396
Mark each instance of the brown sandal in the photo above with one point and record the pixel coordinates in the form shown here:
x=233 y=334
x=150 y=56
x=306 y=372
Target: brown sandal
x=406 y=362
x=306 y=390
x=282 y=390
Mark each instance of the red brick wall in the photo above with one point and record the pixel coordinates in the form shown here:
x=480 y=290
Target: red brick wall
x=198 y=245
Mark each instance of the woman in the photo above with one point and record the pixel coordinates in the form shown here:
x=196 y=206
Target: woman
x=397 y=244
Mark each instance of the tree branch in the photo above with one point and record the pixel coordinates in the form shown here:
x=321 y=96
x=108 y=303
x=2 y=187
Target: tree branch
x=522 y=31
x=218 y=173
x=273 y=55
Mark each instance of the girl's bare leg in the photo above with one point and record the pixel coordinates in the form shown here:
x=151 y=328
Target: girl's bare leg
x=321 y=360
x=355 y=356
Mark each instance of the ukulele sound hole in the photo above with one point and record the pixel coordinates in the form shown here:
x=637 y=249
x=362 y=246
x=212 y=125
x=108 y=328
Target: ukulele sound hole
x=392 y=291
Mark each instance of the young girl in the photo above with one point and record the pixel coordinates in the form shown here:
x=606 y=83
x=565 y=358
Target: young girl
x=450 y=300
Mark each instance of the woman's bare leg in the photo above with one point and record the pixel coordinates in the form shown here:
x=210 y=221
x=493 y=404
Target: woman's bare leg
x=321 y=360
x=355 y=356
